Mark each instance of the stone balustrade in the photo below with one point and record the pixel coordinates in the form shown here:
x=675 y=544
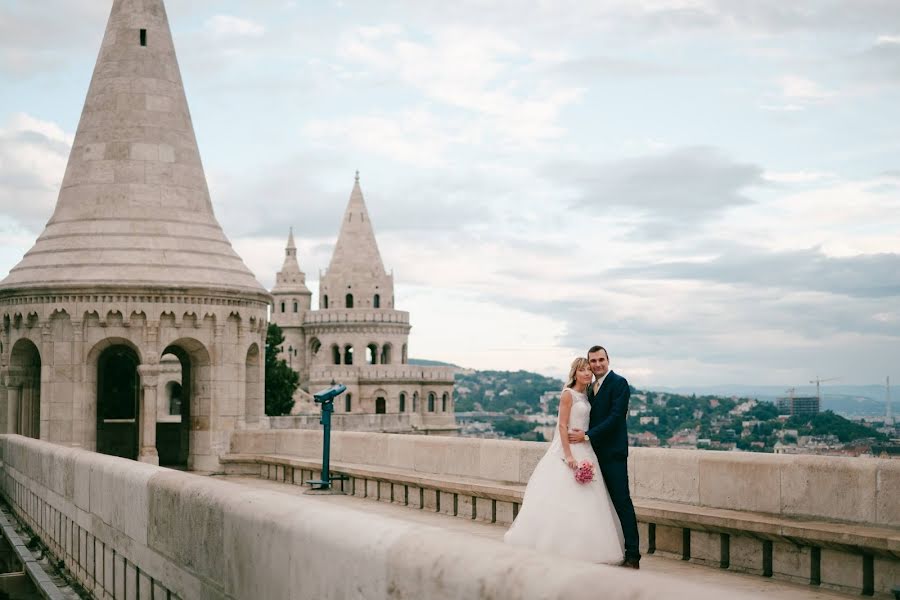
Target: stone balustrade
x=128 y=530
x=828 y=521
x=382 y=373
x=356 y=315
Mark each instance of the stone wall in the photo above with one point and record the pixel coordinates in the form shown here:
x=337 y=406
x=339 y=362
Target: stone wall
x=859 y=490
x=129 y=530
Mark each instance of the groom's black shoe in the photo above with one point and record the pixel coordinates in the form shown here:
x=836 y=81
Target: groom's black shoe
x=630 y=563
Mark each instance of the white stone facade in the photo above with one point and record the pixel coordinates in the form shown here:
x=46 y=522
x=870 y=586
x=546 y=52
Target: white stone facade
x=132 y=266
x=357 y=337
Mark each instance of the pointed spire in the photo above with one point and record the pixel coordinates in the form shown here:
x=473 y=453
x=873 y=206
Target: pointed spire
x=134 y=208
x=356 y=269
x=356 y=250
x=290 y=279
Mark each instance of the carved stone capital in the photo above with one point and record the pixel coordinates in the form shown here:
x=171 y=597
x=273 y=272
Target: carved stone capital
x=149 y=375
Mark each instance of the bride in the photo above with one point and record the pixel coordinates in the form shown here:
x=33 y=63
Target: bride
x=558 y=514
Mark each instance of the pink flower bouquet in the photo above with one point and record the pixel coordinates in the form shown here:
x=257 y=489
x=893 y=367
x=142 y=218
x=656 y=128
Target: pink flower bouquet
x=584 y=472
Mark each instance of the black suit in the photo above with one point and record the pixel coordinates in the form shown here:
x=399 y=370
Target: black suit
x=609 y=438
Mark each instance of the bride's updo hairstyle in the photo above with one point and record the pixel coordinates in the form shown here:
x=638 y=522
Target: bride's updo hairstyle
x=576 y=364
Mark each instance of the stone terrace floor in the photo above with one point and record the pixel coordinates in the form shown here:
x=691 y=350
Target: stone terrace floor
x=751 y=584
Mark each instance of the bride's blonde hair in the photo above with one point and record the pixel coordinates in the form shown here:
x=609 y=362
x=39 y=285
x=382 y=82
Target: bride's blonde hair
x=576 y=364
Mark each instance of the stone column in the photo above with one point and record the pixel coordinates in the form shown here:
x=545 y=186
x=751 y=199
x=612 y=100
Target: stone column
x=12 y=408
x=147 y=434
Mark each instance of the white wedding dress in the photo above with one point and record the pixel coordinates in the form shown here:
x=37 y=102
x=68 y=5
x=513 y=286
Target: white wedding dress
x=564 y=517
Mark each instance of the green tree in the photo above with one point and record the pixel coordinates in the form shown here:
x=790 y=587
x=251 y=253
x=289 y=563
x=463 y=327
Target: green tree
x=281 y=380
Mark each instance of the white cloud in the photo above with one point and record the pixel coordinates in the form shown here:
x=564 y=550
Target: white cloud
x=229 y=25
x=33 y=157
x=802 y=89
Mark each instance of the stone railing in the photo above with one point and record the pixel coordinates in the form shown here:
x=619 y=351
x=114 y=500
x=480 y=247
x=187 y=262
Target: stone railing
x=130 y=530
x=833 y=522
x=356 y=315
x=384 y=423
x=383 y=373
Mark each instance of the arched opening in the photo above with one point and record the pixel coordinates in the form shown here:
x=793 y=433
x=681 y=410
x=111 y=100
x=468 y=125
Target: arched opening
x=24 y=392
x=402 y=402
x=415 y=402
x=431 y=399
x=325 y=301
x=173 y=398
x=348 y=354
x=386 y=354
x=282 y=307
x=335 y=354
x=118 y=389
x=380 y=406
x=348 y=402
x=445 y=401
x=174 y=439
x=376 y=301
x=348 y=301
x=372 y=354
x=314 y=346
x=403 y=357
x=254 y=402
x=296 y=306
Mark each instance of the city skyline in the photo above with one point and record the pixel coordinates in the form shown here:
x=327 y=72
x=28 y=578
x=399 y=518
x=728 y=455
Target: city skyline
x=709 y=189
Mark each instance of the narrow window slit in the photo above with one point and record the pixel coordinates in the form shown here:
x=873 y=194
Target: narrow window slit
x=143 y=37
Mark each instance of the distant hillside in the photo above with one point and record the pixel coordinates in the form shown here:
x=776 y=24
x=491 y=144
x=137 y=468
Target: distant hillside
x=499 y=391
x=847 y=400
x=422 y=362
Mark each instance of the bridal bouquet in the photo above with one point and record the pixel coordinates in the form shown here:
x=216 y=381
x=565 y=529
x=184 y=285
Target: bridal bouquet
x=584 y=472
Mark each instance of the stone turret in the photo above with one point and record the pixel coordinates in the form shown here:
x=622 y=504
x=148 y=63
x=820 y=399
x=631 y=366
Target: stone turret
x=356 y=277
x=131 y=266
x=292 y=301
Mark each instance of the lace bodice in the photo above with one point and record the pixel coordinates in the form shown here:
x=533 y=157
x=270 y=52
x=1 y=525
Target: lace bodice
x=580 y=416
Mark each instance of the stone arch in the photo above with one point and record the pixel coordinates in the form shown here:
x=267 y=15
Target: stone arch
x=431 y=399
x=118 y=401
x=376 y=301
x=372 y=354
x=325 y=301
x=173 y=392
x=254 y=403
x=178 y=442
x=348 y=301
x=386 y=352
x=402 y=402
x=24 y=389
x=445 y=402
x=348 y=354
x=381 y=401
x=91 y=415
x=415 y=406
x=404 y=358
x=314 y=346
x=335 y=354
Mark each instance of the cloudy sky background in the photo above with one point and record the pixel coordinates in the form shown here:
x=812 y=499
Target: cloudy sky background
x=711 y=188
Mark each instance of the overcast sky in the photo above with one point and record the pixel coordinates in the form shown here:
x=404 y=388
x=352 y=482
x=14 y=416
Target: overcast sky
x=710 y=188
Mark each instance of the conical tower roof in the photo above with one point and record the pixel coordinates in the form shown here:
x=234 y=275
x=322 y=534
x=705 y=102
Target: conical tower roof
x=134 y=208
x=356 y=252
x=290 y=279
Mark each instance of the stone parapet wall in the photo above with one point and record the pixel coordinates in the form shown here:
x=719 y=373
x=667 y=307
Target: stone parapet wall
x=382 y=373
x=856 y=490
x=131 y=530
x=355 y=315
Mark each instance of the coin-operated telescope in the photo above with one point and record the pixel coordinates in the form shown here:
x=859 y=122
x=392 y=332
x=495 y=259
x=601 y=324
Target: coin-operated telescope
x=326 y=399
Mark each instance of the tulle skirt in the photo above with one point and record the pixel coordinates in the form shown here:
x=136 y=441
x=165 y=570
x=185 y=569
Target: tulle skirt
x=561 y=516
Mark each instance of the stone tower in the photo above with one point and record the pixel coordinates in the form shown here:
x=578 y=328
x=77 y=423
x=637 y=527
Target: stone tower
x=358 y=338
x=132 y=266
x=292 y=301
x=356 y=277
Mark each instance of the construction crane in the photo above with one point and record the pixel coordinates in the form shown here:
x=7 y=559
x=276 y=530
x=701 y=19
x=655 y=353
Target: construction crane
x=818 y=381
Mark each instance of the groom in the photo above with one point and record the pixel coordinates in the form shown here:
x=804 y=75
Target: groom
x=608 y=435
